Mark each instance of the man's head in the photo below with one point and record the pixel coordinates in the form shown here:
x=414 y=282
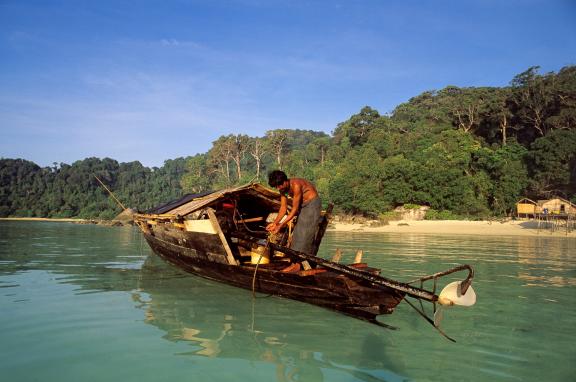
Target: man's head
x=277 y=179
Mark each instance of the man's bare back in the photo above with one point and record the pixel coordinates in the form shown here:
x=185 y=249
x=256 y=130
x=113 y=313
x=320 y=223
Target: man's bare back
x=305 y=187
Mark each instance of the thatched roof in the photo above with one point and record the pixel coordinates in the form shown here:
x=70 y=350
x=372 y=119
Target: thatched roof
x=194 y=202
x=562 y=200
x=526 y=201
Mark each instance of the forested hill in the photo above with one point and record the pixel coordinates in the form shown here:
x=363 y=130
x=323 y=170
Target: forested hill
x=462 y=151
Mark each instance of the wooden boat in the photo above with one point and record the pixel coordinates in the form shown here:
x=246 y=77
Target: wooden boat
x=221 y=236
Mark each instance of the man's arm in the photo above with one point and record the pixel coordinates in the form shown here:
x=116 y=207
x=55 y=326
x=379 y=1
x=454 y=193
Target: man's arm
x=296 y=201
x=274 y=226
x=282 y=210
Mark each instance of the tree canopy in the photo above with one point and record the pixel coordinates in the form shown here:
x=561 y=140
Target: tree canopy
x=462 y=151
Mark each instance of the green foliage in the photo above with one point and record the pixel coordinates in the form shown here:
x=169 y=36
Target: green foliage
x=356 y=185
x=388 y=216
x=553 y=163
x=356 y=130
x=465 y=152
x=398 y=177
x=195 y=179
x=508 y=175
x=67 y=191
x=441 y=215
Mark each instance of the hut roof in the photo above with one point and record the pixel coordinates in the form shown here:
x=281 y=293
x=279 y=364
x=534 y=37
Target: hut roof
x=194 y=202
x=541 y=202
x=526 y=201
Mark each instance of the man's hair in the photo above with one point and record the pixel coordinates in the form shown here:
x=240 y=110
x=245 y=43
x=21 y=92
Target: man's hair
x=276 y=178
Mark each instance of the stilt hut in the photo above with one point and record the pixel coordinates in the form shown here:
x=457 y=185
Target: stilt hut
x=557 y=206
x=526 y=208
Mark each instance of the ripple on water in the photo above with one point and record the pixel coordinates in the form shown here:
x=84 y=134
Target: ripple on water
x=89 y=297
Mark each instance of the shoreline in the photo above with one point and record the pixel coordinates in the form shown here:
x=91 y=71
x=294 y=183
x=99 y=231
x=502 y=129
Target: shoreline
x=66 y=220
x=457 y=227
x=431 y=227
x=111 y=223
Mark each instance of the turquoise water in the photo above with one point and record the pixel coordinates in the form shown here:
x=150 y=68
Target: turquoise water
x=91 y=303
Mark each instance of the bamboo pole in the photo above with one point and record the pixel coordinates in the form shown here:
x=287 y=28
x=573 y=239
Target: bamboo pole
x=110 y=192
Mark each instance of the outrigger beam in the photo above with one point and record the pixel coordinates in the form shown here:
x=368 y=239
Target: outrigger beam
x=374 y=279
x=410 y=290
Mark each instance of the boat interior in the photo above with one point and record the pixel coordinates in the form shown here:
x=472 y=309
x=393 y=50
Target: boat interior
x=239 y=216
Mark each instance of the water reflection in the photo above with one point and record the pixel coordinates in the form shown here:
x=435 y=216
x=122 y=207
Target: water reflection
x=523 y=284
x=544 y=262
x=539 y=261
x=90 y=257
x=302 y=342
x=299 y=341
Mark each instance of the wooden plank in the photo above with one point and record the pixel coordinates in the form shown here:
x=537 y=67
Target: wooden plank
x=365 y=268
x=337 y=256
x=204 y=242
x=292 y=268
x=202 y=226
x=155 y=216
x=216 y=227
x=324 y=220
x=251 y=220
x=311 y=272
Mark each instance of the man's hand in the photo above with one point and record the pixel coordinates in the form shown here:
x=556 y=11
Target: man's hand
x=273 y=227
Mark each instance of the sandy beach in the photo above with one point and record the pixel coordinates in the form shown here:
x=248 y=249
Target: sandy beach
x=456 y=227
x=433 y=227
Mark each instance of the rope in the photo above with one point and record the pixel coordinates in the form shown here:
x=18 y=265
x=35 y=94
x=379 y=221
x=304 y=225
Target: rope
x=236 y=212
x=254 y=276
x=267 y=248
x=428 y=319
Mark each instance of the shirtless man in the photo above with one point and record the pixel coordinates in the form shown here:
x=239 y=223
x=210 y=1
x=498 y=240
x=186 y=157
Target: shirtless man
x=306 y=205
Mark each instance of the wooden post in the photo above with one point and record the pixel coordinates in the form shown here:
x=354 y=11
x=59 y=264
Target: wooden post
x=216 y=226
x=337 y=256
x=358 y=258
x=322 y=225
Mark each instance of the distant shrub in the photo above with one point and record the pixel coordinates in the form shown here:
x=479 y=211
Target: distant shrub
x=107 y=215
x=389 y=216
x=4 y=211
x=441 y=215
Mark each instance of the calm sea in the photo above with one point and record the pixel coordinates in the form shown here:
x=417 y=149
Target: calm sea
x=91 y=303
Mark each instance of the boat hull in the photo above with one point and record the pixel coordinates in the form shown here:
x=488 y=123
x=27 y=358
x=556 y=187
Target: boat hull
x=326 y=289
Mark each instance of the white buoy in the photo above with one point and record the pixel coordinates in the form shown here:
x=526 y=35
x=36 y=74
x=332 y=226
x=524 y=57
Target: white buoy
x=452 y=295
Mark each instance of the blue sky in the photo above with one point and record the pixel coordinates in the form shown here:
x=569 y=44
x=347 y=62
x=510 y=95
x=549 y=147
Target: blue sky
x=152 y=80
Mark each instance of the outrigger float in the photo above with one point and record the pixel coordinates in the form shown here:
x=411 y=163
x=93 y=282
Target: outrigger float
x=221 y=236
